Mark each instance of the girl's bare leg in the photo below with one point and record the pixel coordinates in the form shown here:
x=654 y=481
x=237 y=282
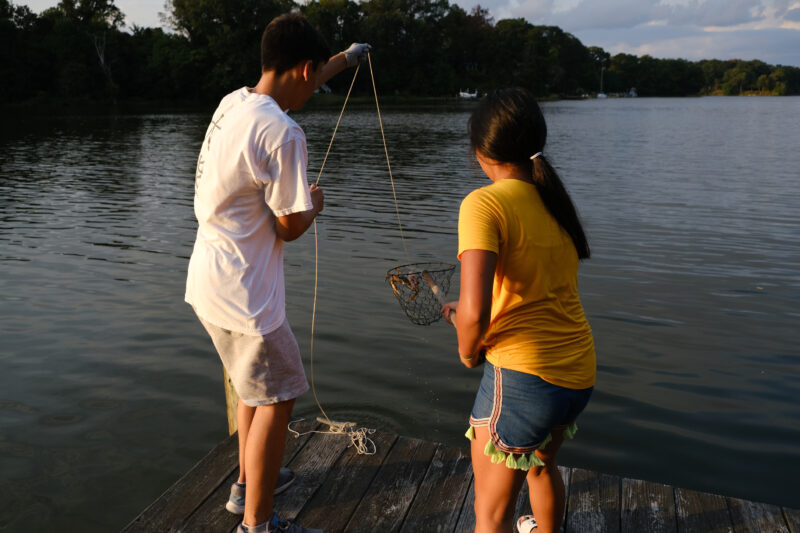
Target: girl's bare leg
x=546 y=487
x=496 y=488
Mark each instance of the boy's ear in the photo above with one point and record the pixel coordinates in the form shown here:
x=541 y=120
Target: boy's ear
x=307 y=70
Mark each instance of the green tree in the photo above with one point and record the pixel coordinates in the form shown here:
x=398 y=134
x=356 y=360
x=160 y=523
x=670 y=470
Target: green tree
x=226 y=37
x=405 y=35
x=339 y=22
x=96 y=12
x=465 y=40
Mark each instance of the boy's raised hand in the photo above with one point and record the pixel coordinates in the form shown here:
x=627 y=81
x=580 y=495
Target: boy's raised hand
x=356 y=52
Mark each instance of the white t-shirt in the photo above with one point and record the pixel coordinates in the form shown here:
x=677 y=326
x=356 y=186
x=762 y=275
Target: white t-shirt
x=252 y=168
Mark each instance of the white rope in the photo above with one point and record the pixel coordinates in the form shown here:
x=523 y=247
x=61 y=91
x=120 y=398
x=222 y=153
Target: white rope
x=386 y=151
x=358 y=436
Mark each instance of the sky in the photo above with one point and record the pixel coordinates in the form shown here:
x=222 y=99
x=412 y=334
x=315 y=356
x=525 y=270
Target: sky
x=768 y=30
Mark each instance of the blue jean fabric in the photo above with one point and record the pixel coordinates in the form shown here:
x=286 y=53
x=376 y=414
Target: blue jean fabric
x=522 y=409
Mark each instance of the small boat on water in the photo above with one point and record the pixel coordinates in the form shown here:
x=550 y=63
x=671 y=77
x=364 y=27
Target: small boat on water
x=468 y=95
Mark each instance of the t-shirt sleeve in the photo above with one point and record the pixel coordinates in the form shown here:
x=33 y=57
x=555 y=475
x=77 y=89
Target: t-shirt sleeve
x=286 y=191
x=478 y=225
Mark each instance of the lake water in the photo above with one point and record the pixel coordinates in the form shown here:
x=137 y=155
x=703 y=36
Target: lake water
x=110 y=389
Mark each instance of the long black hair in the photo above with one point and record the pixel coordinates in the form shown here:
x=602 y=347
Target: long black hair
x=508 y=126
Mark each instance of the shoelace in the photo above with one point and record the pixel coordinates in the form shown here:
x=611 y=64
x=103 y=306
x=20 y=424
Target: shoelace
x=279 y=525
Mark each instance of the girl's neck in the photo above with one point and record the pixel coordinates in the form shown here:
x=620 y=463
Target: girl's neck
x=499 y=170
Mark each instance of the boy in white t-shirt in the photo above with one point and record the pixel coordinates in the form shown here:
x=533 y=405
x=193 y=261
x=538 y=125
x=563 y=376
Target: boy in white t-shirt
x=251 y=195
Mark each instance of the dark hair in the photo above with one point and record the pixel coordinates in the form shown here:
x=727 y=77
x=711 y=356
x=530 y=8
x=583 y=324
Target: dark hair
x=508 y=126
x=290 y=39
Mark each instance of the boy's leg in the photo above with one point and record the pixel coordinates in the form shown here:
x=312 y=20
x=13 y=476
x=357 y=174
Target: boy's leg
x=266 y=439
x=244 y=417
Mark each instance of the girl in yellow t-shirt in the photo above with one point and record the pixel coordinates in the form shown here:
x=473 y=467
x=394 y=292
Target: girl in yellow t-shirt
x=520 y=241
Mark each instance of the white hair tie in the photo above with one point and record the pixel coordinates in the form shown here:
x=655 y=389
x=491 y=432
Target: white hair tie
x=534 y=156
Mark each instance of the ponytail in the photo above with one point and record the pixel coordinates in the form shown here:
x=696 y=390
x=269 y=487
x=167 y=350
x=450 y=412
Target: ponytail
x=559 y=204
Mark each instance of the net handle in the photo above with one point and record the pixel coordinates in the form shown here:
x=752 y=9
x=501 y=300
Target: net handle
x=439 y=296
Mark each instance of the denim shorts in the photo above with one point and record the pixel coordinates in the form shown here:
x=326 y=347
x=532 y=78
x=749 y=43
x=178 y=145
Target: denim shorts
x=522 y=409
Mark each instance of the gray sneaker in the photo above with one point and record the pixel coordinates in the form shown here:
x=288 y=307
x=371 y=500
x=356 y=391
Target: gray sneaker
x=276 y=525
x=236 y=500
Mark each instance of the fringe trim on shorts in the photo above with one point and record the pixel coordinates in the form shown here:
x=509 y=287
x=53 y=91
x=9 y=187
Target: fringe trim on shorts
x=522 y=461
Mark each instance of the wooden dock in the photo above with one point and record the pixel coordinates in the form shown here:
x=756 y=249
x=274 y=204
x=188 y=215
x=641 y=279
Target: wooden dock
x=414 y=486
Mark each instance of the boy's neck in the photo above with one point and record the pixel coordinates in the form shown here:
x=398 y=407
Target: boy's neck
x=279 y=88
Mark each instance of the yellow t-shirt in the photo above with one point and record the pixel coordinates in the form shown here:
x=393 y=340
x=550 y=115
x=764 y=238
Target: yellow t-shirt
x=537 y=322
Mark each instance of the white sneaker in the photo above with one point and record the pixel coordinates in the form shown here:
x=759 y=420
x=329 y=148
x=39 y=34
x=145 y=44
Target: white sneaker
x=526 y=524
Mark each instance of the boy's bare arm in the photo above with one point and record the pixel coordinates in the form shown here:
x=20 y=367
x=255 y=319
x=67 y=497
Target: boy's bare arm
x=348 y=58
x=334 y=66
x=290 y=227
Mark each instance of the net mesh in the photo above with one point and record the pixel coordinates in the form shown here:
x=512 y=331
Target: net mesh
x=411 y=285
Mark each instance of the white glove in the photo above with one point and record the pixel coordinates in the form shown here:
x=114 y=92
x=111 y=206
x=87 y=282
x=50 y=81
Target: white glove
x=355 y=53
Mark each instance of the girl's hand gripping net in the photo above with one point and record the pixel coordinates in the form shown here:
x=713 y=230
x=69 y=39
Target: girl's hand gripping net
x=413 y=286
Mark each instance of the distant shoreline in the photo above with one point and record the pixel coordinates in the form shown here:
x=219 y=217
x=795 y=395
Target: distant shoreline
x=63 y=106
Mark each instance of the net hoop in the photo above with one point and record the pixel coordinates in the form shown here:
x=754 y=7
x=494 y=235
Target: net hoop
x=411 y=285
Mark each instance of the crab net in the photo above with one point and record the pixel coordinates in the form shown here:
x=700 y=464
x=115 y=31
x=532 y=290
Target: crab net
x=420 y=288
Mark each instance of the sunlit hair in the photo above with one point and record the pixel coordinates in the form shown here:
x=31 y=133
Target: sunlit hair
x=290 y=39
x=508 y=126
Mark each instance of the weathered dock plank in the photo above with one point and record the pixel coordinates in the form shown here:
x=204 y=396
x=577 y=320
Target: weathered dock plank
x=312 y=466
x=647 y=506
x=752 y=517
x=593 y=505
x=466 y=519
x=386 y=503
x=442 y=492
x=348 y=480
x=792 y=517
x=183 y=498
x=211 y=515
x=411 y=485
x=701 y=511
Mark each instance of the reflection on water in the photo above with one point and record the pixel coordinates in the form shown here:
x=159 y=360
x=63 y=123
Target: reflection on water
x=693 y=293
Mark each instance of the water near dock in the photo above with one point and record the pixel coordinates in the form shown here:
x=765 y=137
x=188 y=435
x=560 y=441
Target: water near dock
x=110 y=390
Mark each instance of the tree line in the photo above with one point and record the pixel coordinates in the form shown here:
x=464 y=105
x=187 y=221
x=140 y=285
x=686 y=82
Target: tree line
x=81 y=49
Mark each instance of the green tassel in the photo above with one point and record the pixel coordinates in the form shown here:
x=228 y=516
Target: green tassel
x=498 y=457
x=522 y=463
x=511 y=462
x=470 y=434
x=546 y=441
x=535 y=461
x=489 y=449
x=571 y=430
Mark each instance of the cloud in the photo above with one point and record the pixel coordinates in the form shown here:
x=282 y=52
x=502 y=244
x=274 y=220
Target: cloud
x=629 y=14
x=792 y=14
x=773 y=46
x=692 y=29
x=715 y=13
x=608 y=14
x=532 y=10
x=574 y=15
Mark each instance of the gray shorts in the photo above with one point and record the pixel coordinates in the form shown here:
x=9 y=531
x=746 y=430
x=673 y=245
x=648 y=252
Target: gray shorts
x=264 y=369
